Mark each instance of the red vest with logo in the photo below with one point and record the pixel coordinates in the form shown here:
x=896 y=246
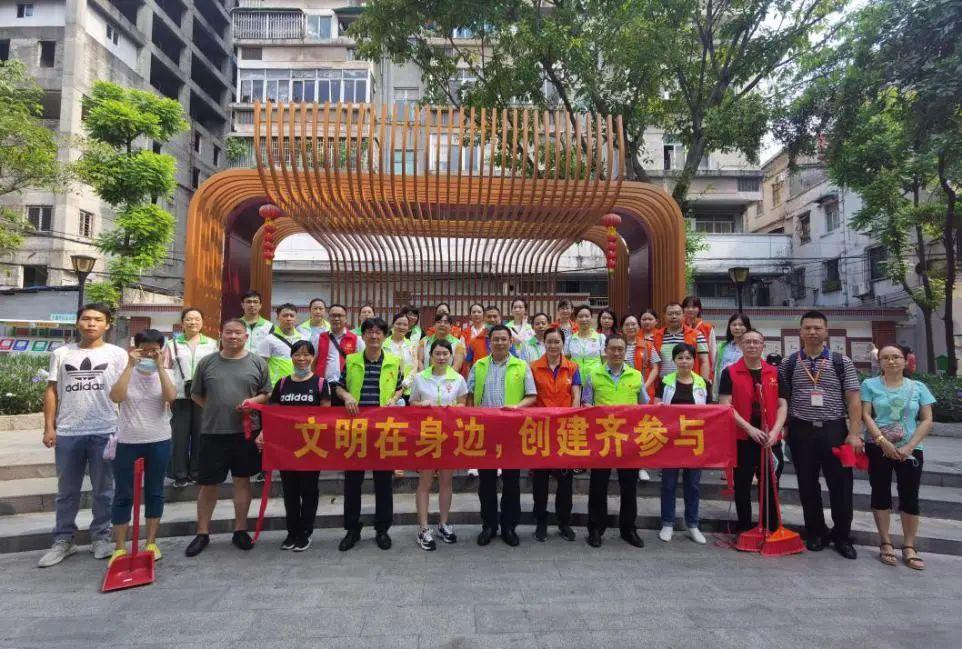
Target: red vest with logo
x=744 y=393
x=553 y=392
x=324 y=342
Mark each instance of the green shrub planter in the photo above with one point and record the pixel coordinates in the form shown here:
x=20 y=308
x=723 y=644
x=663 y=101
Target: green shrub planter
x=22 y=382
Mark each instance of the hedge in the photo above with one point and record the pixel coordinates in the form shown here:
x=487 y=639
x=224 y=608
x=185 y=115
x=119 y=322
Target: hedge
x=22 y=382
x=947 y=391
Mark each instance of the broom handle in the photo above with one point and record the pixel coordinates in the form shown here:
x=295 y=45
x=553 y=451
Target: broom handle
x=138 y=487
x=763 y=461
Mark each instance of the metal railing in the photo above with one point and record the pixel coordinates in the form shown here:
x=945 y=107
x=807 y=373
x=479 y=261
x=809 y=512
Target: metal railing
x=268 y=25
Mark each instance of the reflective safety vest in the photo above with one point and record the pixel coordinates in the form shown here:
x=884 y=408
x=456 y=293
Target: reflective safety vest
x=699 y=388
x=387 y=382
x=513 y=380
x=607 y=393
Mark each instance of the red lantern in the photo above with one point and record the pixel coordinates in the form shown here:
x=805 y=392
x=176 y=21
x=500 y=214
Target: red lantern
x=611 y=220
x=270 y=213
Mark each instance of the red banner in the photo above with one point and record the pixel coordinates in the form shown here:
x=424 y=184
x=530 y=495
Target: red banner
x=329 y=439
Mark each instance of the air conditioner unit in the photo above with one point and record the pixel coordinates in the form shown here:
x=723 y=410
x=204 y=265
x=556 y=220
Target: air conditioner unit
x=862 y=289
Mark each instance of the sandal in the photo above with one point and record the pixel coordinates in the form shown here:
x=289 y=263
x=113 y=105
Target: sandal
x=887 y=558
x=915 y=563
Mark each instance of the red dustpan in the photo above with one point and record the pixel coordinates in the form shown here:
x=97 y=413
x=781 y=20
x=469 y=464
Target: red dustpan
x=135 y=568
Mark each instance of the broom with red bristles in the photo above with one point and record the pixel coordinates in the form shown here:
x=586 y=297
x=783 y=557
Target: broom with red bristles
x=782 y=541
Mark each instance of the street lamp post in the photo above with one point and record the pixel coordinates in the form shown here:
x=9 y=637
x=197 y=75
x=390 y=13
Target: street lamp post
x=739 y=275
x=83 y=265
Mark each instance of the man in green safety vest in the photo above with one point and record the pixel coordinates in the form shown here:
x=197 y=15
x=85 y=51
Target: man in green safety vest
x=613 y=384
x=370 y=378
x=500 y=380
x=275 y=348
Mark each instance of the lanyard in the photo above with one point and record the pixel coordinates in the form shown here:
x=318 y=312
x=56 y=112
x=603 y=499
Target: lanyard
x=814 y=379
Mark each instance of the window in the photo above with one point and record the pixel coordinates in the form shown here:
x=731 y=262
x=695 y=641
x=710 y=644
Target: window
x=24 y=10
x=748 y=184
x=34 y=276
x=40 y=217
x=86 y=224
x=406 y=99
x=798 y=283
x=48 y=52
x=195 y=177
x=5 y=49
x=462 y=32
x=877 y=257
x=461 y=80
x=320 y=28
x=303 y=85
x=832 y=281
x=714 y=288
x=832 y=218
x=404 y=161
x=198 y=142
x=216 y=157
x=777 y=187
x=112 y=34
x=714 y=224
x=804 y=227
x=252 y=53
x=156 y=147
x=355 y=86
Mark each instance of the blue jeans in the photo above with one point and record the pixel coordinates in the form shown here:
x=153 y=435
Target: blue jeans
x=73 y=455
x=156 y=456
x=669 y=481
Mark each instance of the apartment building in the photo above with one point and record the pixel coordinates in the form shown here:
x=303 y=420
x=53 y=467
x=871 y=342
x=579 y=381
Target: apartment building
x=180 y=49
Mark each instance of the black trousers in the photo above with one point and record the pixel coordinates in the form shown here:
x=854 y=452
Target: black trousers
x=300 y=501
x=562 y=499
x=908 y=477
x=811 y=448
x=510 y=498
x=598 y=499
x=184 y=439
x=749 y=466
x=383 y=499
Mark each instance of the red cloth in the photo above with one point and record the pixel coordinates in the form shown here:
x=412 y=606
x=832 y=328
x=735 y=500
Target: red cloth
x=348 y=345
x=744 y=393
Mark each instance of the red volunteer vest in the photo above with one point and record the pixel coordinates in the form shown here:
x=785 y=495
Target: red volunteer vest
x=744 y=393
x=553 y=392
x=348 y=346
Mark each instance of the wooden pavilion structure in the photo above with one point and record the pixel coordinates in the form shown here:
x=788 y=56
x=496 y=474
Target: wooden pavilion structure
x=411 y=201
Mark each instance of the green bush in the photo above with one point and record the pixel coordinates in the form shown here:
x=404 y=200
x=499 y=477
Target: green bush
x=21 y=383
x=947 y=391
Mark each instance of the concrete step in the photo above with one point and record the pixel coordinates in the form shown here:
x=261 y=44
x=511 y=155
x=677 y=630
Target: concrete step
x=30 y=495
x=23 y=532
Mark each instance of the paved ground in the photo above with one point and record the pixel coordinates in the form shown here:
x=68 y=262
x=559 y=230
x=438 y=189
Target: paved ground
x=554 y=595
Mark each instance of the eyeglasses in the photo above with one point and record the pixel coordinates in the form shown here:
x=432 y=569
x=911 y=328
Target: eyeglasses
x=753 y=343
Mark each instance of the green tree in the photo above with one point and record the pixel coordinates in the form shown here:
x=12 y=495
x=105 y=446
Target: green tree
x=884 y=107
x=28 y=150
x=130 y=179
x=694 y=67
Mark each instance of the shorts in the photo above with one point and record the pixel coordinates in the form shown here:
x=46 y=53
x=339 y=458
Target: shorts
x=220 y=454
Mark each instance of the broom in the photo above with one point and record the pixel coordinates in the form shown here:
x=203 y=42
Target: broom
x=782 y=541
x=753 y=539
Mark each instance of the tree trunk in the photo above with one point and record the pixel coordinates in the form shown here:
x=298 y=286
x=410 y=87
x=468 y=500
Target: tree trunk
x=929 y=342
x=692 y=160
x=926 y=286
x=948 y=241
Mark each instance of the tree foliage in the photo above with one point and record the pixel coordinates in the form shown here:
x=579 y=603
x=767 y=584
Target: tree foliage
x=28 y=150
x=693 y=67
x=132 y=180
x=884 y=108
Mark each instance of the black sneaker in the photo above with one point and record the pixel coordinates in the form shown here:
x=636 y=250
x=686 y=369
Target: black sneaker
x=446 y=532
x=180 y=483
x=289 y=542
x=242 y=540
x=426 y=540
x=302 y=543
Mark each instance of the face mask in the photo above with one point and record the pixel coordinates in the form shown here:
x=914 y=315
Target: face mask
x=301 y=373
x=147 y=365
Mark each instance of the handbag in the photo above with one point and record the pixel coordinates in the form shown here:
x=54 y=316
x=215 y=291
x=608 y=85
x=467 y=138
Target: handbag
x=110 y=450
x=894 y=432
x=180 y=368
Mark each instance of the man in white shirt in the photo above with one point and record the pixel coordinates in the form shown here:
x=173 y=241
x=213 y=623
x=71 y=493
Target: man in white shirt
x=78 y=420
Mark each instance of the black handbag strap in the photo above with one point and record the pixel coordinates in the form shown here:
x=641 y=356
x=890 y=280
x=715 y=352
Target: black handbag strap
x=180 y=368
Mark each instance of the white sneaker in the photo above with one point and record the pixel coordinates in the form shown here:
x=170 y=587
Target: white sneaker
x=57 y=553
x=446 y=532
x=426 y=540
x=643 y=476
x=102 y=548
x=472 y=473
x=697 y=536
x=665 y=533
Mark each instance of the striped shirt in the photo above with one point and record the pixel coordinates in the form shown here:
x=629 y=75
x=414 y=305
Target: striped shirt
x=371 y=387
x=493 y=394
x=833 y=405
x=668 y=344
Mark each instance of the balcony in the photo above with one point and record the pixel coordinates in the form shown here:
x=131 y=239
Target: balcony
x=275 y=24
x=764 y=254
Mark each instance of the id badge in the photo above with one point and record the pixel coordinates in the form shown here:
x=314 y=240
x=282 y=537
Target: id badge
x=818 y=398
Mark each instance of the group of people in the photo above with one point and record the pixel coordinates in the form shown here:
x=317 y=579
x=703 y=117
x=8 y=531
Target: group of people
x=182 y=401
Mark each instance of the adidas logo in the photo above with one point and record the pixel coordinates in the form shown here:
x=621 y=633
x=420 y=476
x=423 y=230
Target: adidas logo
x=85 y=377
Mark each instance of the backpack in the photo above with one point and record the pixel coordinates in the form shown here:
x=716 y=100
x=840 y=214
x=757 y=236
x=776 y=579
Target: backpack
x=838 y=362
